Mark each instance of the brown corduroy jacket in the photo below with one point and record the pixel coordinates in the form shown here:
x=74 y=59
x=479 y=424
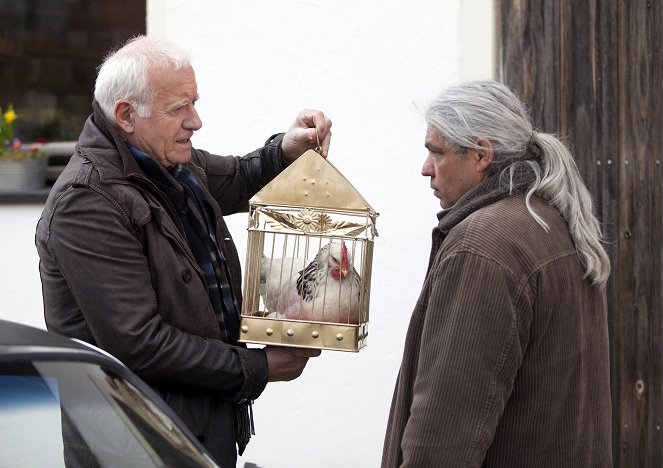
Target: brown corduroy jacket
x=506 y=360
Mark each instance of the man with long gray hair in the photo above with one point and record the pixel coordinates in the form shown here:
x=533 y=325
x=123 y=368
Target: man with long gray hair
x=506 y=360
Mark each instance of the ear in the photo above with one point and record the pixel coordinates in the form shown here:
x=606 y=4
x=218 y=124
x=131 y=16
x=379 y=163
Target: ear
x=484 y=155
x=124 y=115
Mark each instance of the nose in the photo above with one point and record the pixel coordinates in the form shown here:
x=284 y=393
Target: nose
x=427 y=168
x=192 y=122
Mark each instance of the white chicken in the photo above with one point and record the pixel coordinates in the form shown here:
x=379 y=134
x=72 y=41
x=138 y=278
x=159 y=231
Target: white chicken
x=326 y=290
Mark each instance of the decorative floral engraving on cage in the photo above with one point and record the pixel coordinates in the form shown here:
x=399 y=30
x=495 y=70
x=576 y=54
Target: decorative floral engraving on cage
x=309 y=257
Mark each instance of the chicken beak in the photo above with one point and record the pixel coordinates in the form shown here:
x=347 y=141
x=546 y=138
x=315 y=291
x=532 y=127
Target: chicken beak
x=344 y=272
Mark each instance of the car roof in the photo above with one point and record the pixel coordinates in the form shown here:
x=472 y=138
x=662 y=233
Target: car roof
x=12 y=333
x=25 y=342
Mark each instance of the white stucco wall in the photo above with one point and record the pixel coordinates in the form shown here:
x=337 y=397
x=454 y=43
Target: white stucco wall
x=366 y=64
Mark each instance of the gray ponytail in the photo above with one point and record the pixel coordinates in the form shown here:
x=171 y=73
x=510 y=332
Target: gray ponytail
x=489 y=110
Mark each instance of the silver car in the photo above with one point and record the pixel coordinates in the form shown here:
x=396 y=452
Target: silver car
x=64 y=403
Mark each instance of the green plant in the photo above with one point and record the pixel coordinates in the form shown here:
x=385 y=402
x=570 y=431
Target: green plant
x=11 y=148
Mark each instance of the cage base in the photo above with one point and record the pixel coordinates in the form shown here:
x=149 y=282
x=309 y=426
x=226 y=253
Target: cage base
x=303 y=334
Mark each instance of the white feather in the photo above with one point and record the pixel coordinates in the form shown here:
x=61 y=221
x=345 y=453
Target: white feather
x=330 y=299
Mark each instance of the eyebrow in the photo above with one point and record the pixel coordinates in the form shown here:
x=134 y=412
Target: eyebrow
x=183 y=102
x=433 y=148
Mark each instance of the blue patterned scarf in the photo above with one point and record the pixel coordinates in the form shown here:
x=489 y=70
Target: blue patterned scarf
x=194 y=207
x=198 y=219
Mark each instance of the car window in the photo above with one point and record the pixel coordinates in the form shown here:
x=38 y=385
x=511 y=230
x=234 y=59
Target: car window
x=57 y=414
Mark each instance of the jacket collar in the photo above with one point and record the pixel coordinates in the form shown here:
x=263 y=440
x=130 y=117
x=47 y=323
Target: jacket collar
x=102 y=143
x=494 y=188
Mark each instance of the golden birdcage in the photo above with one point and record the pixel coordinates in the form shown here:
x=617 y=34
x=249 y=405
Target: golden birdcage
x=308 y=261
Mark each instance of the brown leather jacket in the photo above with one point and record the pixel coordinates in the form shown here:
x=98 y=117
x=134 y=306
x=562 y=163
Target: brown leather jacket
x=117 y=272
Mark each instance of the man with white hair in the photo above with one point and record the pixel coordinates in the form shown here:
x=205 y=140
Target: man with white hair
x=506 y=360
x=135 y=256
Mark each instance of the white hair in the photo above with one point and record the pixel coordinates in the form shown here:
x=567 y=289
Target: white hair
x=124 y=73
x=489 y=110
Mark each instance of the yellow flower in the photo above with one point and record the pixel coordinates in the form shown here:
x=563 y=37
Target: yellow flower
x=10 y=115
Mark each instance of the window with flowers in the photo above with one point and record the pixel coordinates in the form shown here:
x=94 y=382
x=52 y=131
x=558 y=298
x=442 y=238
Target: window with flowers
x=49 y=54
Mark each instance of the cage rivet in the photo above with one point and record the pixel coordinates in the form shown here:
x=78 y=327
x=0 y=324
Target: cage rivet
x=269 y=332
x=245 y=329
x=290 y=332
x=315 y=334
x=339 y=337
